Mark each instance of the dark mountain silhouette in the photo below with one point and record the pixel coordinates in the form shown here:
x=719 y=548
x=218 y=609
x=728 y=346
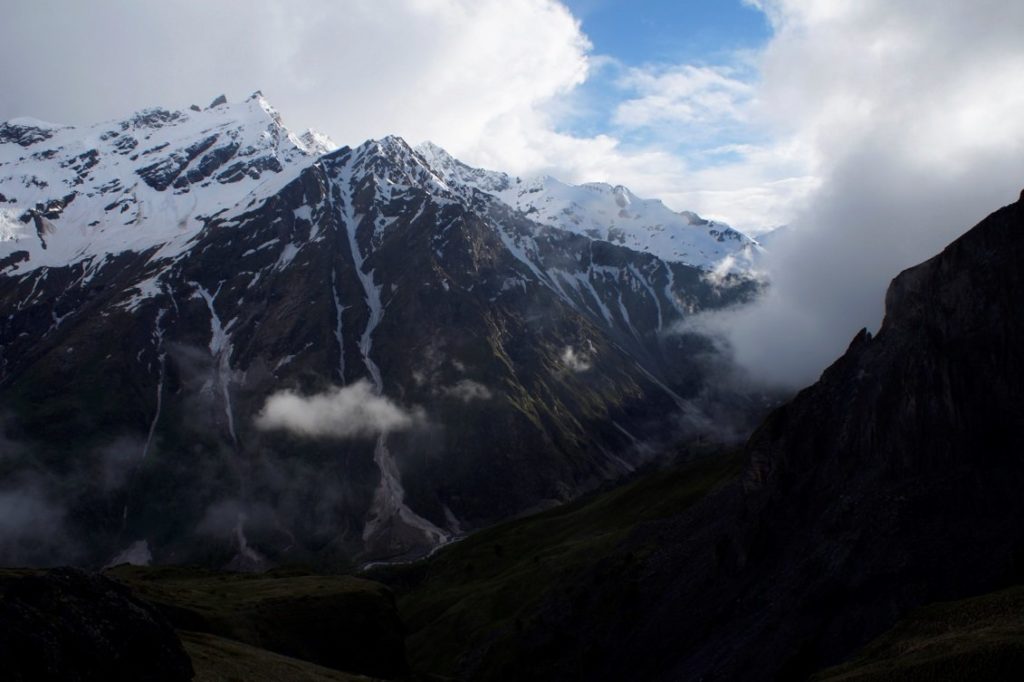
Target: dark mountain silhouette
x=892 y=482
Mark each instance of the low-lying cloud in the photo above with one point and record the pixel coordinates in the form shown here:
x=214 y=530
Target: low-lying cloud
x=354 y=411
x=912 y=113
x=468 y=390
x=576 y=362
x=32 y=524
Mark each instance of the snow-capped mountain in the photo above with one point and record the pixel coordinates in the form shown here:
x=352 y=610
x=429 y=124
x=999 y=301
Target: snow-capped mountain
x=608 y=213
x=151 y=180
x=164 y=279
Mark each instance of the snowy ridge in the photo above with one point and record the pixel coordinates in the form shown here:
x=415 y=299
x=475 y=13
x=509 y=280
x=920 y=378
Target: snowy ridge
x=220 y=350
x=149 y=181
x=154 y=179
x=609 y=213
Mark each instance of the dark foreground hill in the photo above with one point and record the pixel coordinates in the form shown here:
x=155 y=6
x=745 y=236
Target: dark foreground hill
x=892 y=482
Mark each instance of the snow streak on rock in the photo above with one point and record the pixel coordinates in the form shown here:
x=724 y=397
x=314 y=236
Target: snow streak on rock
x=388 y=509
x=220 y=350
x=338 y=331
x=160 y=380
x=371 y=291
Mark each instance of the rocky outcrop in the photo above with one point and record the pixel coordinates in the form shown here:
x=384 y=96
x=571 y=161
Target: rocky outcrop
x=69 y=626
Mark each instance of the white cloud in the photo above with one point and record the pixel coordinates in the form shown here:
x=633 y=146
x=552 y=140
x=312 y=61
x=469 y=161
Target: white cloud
x=682 y=94
x=354 y=411
x=449 y=70
x=910 y=113
x=489 y=80
x=496 y=82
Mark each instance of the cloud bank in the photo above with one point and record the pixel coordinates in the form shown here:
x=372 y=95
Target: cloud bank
x=457 y=71
x=913 y=115
x=354 y=411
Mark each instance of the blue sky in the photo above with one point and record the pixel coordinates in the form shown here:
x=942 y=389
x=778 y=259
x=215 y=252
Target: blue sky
x=643 y=48
x=671 y=31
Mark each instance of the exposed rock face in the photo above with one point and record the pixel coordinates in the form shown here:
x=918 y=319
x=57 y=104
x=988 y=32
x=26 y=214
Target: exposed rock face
x=70 y=626
x=893 y=481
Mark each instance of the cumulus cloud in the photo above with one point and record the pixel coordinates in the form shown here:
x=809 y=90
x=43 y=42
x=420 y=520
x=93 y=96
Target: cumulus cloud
x=467 y=391
x=450 y=70
x=354 y=411
x=911 y=114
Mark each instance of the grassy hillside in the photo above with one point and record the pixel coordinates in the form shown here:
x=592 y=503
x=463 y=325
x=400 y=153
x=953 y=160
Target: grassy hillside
x=336 y=621
x=477 y=596
x=216 y=659
x=979 y=639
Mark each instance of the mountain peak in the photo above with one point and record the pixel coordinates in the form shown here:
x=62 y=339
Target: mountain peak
x=434 y=153
x=88 y=183
x=390 y=148
x=317 y=143
x=393 y=142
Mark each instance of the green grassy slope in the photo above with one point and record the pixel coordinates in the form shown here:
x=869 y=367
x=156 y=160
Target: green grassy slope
x=340 y=622
x=480 y=593
x=216 y=659
x=979 y=639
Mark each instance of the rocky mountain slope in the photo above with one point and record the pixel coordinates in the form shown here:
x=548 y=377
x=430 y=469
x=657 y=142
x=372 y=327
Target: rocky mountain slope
x=223 y=343
x=890 y=483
